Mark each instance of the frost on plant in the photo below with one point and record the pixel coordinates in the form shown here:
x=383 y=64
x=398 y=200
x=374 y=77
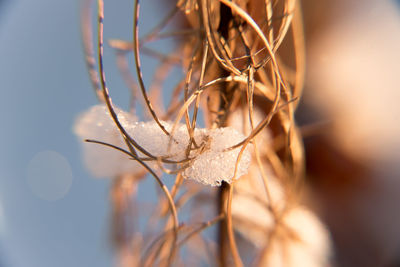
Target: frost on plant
x=226 y=142
x=96 y=124
x=211 y=163
x=216 y=163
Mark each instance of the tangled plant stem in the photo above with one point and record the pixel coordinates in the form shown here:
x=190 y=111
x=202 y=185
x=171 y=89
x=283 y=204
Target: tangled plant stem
x=229 y=55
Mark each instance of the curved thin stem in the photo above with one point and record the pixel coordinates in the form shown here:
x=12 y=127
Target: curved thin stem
x=138 y=66
x=254 y=25
x=231 y=236
x=86 y=30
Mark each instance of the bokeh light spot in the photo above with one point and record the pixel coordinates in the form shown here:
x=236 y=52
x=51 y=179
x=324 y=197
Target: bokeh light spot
x=49 y=175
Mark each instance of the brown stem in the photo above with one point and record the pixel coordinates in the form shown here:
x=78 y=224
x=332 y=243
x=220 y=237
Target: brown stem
x=222 y=233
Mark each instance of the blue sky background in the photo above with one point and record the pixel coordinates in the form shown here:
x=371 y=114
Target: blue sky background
x=44 y=85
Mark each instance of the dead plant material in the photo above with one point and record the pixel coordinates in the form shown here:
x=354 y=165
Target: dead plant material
x=232 y=75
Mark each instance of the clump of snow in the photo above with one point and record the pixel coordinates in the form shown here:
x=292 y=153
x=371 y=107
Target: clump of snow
x=97 y=124
x=209 y=164
x=152 y=138
x=217 y=164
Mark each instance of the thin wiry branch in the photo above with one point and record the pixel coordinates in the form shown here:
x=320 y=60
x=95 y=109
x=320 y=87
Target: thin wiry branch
x=228 y=53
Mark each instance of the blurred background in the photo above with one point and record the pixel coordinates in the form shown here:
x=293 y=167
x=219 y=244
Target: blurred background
x=52 y=213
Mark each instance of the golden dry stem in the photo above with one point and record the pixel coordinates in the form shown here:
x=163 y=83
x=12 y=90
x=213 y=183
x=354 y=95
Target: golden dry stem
x=242 y=66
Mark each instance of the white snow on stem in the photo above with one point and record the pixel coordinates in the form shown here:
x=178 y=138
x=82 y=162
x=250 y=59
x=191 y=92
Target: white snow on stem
x=97 y=124
x=216 y=164
x=211 y=162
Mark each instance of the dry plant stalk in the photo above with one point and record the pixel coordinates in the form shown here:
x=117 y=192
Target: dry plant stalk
x=243 y=68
